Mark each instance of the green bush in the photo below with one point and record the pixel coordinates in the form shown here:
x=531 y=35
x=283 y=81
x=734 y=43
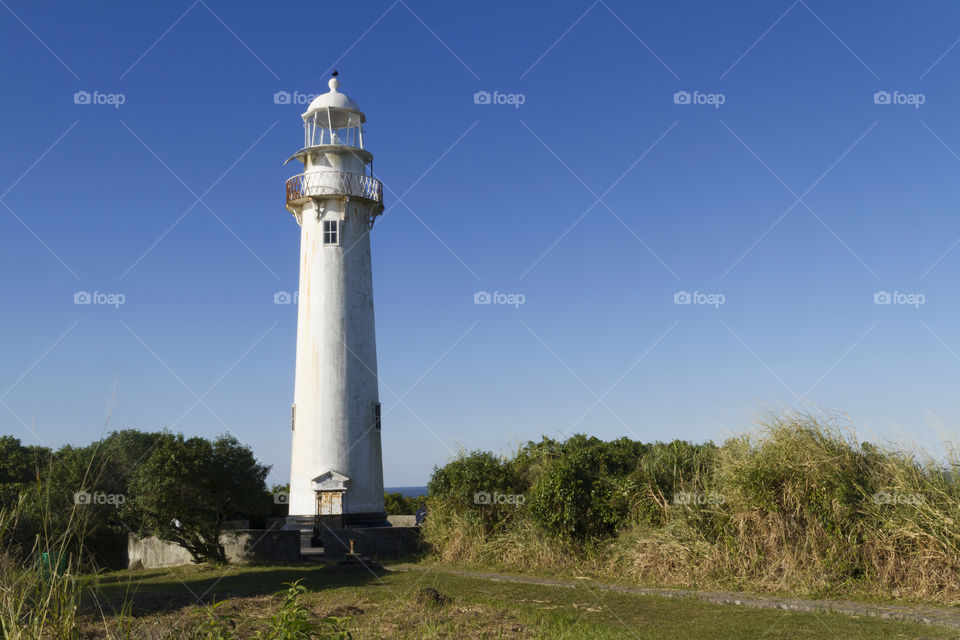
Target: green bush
x=581 y=493
x=458 y=486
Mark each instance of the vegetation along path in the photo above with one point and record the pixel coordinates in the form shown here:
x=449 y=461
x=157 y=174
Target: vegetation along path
x=919 y=614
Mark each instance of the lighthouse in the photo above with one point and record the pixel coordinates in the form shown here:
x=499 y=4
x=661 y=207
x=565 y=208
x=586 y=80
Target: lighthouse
x=336 y=464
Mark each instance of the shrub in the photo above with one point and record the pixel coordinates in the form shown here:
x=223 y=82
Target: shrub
x=458 y=486
x=575 y=497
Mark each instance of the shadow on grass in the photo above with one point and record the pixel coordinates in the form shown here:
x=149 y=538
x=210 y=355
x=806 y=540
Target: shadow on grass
x=151 y=590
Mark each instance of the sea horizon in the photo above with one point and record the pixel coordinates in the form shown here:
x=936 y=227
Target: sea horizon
x=407 y=492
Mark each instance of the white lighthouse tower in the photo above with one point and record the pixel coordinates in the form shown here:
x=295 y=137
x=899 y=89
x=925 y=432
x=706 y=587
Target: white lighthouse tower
x=336 y=468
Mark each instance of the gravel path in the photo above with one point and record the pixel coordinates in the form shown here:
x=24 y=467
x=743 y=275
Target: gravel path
x=920 y=614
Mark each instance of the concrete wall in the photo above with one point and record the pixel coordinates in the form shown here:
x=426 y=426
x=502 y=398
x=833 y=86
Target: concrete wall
x=151 y=553
x=242 y=546
x=402 y=521
x=373 y=542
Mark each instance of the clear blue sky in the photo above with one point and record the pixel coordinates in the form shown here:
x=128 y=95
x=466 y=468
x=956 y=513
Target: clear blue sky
x=797 y=200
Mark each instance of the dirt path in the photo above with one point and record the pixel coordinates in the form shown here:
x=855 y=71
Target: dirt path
x=920 y=614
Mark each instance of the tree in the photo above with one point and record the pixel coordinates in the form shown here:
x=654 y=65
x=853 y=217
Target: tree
x=19 y=467
x=187 y=488
x=397 y=504
x=100 y=472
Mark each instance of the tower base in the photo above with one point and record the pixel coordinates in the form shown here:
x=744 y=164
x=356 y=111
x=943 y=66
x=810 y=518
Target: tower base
x=350 y=520
x=360 y=520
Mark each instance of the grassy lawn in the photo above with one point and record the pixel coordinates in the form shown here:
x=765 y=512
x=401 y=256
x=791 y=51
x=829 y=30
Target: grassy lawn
x=405 y=605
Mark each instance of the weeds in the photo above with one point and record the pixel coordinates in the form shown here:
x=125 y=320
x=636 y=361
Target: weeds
x=294 y=621
x=215 y=626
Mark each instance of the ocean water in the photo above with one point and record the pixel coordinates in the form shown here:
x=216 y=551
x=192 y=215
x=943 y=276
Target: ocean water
x=409 y=492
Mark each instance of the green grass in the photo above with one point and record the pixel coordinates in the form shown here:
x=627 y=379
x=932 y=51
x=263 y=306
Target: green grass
x=387 y=606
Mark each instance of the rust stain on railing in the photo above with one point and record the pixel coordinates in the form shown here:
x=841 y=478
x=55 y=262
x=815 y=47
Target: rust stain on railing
x=332 y=183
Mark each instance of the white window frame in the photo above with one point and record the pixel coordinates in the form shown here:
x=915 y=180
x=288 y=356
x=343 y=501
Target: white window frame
x=329 y=227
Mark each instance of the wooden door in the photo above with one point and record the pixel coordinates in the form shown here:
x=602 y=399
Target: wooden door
x=330 y=509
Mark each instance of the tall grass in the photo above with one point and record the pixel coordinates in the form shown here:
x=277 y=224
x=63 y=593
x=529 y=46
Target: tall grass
x=37 y=600
x=46 y=569
x=799 y=505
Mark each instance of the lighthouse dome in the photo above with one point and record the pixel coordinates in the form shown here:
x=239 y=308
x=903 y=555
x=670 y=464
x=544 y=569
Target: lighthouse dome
x=333 y=100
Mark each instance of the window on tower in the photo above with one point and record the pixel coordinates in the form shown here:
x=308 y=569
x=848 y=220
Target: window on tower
x=331 y=232
x=376 y=415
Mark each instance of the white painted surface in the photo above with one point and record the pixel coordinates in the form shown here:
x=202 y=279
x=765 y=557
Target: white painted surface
x=336 y=364
x=333 y=99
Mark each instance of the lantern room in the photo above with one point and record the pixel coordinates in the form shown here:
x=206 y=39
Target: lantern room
x=333 y=135
x=333 y=119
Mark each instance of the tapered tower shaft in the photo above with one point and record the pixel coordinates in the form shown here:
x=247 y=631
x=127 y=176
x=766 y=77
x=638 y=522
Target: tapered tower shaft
x=336 y=462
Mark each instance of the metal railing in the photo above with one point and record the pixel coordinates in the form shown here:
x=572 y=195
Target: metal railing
x=334 y=183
